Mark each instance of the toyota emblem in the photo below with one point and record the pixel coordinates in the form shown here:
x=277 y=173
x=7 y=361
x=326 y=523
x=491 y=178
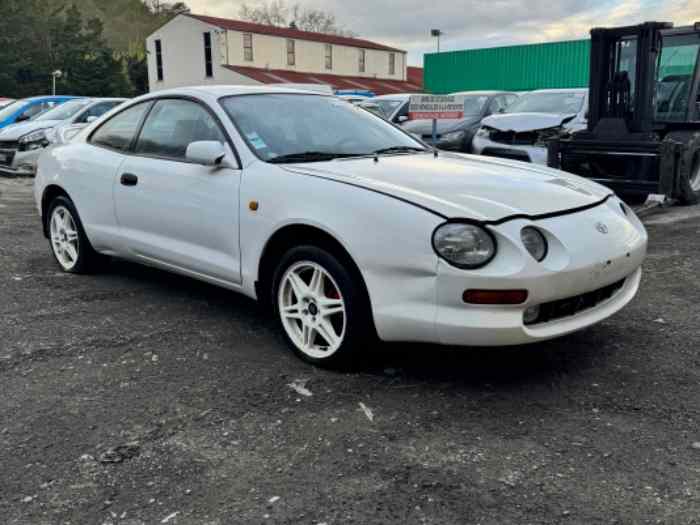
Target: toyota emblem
x=602 y=228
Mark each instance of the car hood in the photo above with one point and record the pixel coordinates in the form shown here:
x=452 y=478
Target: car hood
x=464 y=186
x=519 y=122
x=19 y=130
x=425 y=127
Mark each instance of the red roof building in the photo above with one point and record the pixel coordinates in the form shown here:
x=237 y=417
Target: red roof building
x=198 y=50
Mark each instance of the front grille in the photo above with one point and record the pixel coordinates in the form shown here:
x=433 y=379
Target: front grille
x=574 y=305
x=6 y=157
x=525 y=138
x=9 y=144
x=505 y=153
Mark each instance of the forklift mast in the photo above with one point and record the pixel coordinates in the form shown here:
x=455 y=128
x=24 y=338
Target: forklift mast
x=624 y=63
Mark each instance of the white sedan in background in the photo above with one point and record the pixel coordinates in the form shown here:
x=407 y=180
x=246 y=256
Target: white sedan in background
x=22 y=143
x=347 y=226
x=522 y=130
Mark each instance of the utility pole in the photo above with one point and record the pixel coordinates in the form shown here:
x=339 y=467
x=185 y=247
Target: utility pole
x=436 y=33
x=56 y=74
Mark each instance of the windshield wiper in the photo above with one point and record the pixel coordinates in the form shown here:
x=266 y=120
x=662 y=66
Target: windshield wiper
x=309 y=156
x=398 y=149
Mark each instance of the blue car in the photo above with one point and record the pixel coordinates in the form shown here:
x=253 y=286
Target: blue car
x=25 y=109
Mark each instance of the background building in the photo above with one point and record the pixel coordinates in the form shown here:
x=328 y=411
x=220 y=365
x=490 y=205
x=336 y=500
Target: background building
x=196 y=50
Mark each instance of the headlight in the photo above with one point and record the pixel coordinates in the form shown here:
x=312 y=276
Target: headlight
x=546 y=135
x=483 y=133
x=464 y=245
x=534 y=242
x=453 y=136
x=36 y=139
x=34 y=136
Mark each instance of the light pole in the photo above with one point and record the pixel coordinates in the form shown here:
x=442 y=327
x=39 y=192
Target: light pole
x=436 y=33
x=56 y=74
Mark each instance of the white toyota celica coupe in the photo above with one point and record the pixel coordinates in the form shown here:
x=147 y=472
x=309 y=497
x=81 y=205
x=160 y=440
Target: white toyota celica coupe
x=347 y=226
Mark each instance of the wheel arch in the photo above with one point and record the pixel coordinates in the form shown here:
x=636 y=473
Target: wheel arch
x=50 y=193
x=297 y=234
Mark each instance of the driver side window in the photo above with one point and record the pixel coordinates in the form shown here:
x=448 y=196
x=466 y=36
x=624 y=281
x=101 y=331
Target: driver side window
x=173 y=125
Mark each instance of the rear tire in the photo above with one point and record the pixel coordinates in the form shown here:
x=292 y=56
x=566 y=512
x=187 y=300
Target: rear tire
x=67 y=240
x=322 y=308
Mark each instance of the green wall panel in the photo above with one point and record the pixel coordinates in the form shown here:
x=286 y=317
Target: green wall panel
x=512 y=68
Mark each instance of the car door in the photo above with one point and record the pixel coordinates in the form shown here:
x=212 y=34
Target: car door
x=94 y=170
x=174 y=212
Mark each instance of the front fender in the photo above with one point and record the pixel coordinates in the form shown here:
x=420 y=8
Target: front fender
x=388 y=239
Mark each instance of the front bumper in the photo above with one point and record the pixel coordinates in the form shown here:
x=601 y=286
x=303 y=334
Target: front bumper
x=524 y=153
x=19 y=163
x=581 y=260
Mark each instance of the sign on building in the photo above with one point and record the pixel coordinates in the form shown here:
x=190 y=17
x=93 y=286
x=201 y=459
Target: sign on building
x=432 y=107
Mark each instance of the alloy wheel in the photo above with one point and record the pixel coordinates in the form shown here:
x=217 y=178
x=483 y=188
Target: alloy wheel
x=312 y=309
x=64 y=238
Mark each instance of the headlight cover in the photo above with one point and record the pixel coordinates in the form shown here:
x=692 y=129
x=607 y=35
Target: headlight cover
x=534 y=242
x=465 y=245
x=483 y=133
x=34 y=136
x=453 y=136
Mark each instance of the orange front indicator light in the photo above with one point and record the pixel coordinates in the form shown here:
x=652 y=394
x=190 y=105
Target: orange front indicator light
x=495 y=296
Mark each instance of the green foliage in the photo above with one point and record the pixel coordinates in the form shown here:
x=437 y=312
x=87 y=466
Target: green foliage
x=97 y=44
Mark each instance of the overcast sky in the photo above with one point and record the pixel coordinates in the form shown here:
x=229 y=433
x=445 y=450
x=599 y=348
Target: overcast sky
x=480 y=23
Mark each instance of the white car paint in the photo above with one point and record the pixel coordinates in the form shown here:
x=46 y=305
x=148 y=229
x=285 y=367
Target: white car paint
x=484 y=144
x=196 y=220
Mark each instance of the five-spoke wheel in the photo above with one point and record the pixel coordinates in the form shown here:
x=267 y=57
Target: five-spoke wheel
x=64 y=237
x=321 y=304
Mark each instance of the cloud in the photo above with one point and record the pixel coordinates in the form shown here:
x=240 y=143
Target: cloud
x=479 y=23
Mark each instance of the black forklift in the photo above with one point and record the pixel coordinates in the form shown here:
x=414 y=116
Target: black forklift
x=643 y=134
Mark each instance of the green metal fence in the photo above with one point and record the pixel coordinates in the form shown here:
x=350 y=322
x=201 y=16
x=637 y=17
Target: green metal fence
x=513 y=68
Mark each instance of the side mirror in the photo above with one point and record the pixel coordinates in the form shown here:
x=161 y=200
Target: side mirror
x=22 y=118
x=401 y=119
x=91 y=119
x=207 y=153
x=501 y=110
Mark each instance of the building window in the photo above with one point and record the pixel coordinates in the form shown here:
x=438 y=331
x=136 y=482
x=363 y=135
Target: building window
x=159 y=60
x=290 y=52
x=248 y=47
x=329 y=56
x=392 y=63
x=362 y=61
x=208 y=68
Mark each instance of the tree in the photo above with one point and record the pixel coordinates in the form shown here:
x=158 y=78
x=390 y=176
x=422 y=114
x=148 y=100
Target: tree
x=279 y=13
x=55 y=38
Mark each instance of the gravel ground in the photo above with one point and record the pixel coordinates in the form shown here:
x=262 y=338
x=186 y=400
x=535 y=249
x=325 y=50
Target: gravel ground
x=134 y=396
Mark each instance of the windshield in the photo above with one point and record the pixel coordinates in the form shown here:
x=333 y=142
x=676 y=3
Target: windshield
x=387 y=106
x=564 y=103
x=312 y=126
x=64 y=111
x=10 y=110
x=474 y=104
x=675 y=74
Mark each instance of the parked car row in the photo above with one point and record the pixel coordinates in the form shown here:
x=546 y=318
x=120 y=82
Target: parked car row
x=34 y=129
x=495 y=123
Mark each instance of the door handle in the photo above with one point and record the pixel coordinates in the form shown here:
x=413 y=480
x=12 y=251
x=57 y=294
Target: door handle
x=129 y=179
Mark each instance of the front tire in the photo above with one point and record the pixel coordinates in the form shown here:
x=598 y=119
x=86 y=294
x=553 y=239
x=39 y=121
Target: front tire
x=321 y=307
x=69 y=244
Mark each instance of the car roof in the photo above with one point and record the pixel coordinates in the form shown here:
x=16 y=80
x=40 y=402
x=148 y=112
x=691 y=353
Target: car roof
x=50 y=97
x=229 y=90
x=396 y=96
x=483 y=93
x=572 y=90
